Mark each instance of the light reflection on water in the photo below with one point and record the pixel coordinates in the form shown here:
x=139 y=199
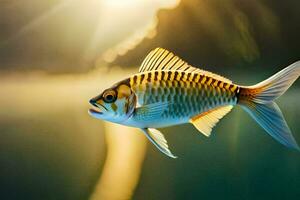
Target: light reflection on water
x=51 y=147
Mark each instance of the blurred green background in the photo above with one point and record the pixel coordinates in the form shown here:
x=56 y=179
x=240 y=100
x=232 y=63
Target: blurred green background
x=55 y=55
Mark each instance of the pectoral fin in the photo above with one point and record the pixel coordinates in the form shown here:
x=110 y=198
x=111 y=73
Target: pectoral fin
x=204 y=122
x=151 y=111
x=158 y=139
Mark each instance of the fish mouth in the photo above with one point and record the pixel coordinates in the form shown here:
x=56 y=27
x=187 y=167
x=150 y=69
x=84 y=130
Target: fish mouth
x=95 y=109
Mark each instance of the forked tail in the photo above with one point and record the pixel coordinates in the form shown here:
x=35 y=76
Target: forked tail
x=258 y=101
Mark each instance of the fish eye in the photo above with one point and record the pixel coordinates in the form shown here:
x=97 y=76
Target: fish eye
x=109 y=96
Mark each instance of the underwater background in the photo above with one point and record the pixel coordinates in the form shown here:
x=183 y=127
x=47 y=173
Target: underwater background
x=56 y=55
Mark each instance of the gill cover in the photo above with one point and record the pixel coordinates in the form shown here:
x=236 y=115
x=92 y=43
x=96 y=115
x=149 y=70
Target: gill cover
x=126 y=100
x=115 y=104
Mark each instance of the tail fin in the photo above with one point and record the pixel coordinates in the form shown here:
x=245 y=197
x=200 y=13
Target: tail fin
x=258 y=101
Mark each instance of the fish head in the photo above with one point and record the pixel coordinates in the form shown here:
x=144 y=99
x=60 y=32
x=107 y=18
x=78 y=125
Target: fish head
x=115 y=104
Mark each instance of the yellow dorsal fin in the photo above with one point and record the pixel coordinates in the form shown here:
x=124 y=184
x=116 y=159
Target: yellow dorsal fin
x=162 y=59
x=204 y=122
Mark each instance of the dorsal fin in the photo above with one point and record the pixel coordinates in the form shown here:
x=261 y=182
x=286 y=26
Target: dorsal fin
x=204 y=122
x=162 y=59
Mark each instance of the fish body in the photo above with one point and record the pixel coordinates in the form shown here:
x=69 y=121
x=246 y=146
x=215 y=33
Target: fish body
x=167 y=91
x=182 y=94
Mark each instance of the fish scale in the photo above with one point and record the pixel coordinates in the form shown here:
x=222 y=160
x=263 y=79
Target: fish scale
x=186 y=93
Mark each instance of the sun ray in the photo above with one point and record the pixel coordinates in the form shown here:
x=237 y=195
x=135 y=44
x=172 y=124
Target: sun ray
x=126 y=11
x=38 y=20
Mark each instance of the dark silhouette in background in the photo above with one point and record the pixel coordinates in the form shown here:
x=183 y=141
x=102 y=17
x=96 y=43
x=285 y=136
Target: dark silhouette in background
x=227 y=35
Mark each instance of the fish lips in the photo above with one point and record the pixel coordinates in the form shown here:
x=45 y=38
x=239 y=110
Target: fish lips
x=95 y=112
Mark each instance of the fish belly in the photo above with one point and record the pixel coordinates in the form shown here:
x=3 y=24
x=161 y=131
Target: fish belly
x=159 y=122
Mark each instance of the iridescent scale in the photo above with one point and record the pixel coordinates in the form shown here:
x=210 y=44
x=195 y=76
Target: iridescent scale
x=187 y=94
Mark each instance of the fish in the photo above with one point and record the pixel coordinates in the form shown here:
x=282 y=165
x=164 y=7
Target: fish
x=167 y=91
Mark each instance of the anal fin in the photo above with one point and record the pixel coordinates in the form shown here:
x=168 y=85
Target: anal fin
x=205 y=122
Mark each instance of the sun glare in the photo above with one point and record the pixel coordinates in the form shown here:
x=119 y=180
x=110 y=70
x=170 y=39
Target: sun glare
x=118 y=25
x=122 y=3
x=143 y=26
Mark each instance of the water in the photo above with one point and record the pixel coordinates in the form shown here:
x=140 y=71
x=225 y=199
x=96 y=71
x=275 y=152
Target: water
x=51 y=149
x=239 y=161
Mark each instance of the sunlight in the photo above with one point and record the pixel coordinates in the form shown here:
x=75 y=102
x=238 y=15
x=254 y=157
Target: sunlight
x=115 y=26
x=138 y=17
x=122 y=2
x=39 y=20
